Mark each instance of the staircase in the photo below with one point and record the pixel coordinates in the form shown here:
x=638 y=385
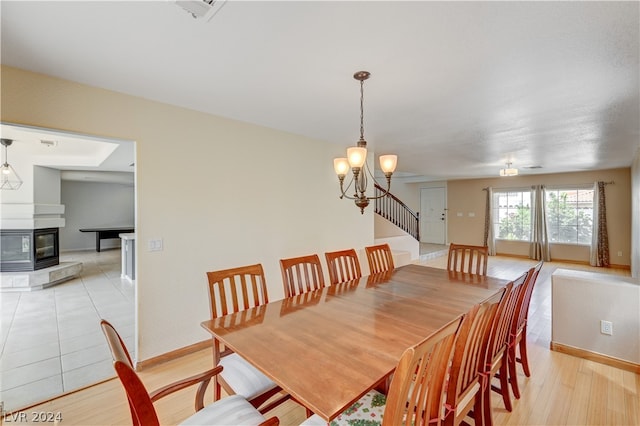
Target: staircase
x=395 y=211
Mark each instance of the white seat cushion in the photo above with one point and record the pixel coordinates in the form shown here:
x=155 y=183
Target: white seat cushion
x=231 y=410
x=367 y=410
x=244 y=378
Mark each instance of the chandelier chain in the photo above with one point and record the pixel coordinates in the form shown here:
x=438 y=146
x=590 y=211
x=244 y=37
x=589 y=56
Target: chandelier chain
x=357 y=162
x=361 y=109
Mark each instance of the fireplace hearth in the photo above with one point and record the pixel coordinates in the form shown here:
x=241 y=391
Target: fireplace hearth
x=28 y=249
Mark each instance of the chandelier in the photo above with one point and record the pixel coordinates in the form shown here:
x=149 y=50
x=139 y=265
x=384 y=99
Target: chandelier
x=9 y=179
x=356 y=160
x=508 y=171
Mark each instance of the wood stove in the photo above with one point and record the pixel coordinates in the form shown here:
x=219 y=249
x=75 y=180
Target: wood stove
x=28 y=249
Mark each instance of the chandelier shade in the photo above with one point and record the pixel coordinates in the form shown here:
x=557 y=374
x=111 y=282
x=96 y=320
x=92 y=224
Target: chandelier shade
x=356 y=156
x=341 y=166
x=9 y=179
x=388 y=163
x=356 y=161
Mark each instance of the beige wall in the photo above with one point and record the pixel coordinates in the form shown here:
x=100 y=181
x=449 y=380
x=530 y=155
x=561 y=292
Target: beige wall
x=635 y=216
x=467 y=196
x=384 y=228
x=581 y=299
x=409 y=193
x=220 y=193
x=466 y=210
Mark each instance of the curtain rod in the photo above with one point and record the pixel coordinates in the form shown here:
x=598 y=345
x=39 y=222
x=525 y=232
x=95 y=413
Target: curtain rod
x=612 y=182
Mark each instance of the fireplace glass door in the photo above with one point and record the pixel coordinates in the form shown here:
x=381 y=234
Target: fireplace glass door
x=28 y=249
x=16 y=247
x=45 y=246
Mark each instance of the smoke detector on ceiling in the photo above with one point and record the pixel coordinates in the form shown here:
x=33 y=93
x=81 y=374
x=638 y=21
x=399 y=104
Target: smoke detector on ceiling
x=204 y=9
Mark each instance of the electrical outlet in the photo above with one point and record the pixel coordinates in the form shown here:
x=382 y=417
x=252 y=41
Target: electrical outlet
x=620 y=253
x=155 y=244
x=606 y=327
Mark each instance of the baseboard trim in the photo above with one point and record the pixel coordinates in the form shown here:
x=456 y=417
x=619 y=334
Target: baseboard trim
x=575 y=262
x=596 y=357
x=517 y=256
x=582 y=262
x=625 y=267
x=169 y=356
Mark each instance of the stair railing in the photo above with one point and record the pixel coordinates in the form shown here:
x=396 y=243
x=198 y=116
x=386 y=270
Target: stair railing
x=395 y=211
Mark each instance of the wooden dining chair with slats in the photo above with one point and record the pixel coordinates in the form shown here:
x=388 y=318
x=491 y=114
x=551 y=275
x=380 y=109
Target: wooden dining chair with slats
x=417 y=392
x=495 y=363
x=379 y=258
x=469 y=259
x=343 y=266
x=301 y=274
x=464 y=391
x=518 y=334
x=232 y=410
x=234 y=290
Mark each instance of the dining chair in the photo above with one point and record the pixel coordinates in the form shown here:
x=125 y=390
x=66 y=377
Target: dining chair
x=301 y=274
x=343 y=266
x=495 y=350
x=234 y=290
x=232 y=410
x=417 y=392
x=469 y=259
x=464 y=386
x=518 y=334
x=379 y=258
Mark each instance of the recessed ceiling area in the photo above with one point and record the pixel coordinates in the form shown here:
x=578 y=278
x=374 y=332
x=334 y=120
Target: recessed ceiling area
x=79 y=157
x=457 y=89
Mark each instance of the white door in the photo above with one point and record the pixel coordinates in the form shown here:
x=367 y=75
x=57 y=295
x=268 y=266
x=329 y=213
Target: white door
x=433 y=218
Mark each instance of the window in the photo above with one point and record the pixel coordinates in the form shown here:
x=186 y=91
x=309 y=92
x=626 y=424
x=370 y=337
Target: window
x=569 y=215
x=512 y=215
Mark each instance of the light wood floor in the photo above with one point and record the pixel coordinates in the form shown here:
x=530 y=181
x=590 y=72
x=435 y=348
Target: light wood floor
x=562 y=390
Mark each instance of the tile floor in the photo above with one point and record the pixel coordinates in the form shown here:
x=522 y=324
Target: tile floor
x=430 y=251
x=50 y=340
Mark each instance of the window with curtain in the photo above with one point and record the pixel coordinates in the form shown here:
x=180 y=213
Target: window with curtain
x=569 y=215
x=512 y=215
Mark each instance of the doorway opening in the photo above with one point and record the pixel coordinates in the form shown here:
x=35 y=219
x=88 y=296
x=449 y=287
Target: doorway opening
x=51 y=342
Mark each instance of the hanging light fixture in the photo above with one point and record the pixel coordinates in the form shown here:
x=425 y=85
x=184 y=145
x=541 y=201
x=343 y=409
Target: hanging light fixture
x=9 y=179
x=356 y=160
x=508 y=171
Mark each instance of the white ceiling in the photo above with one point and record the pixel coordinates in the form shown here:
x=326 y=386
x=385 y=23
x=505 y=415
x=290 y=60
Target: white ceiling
x=457 y=88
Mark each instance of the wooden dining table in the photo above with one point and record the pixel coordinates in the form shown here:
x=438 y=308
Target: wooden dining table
x=329 y=347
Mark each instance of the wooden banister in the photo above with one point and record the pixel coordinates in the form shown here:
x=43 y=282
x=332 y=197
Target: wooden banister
x=395 y=211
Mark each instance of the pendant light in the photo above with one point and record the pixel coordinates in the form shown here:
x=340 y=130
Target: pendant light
x=509 y=171
x=356 y=160
x=9 y=179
